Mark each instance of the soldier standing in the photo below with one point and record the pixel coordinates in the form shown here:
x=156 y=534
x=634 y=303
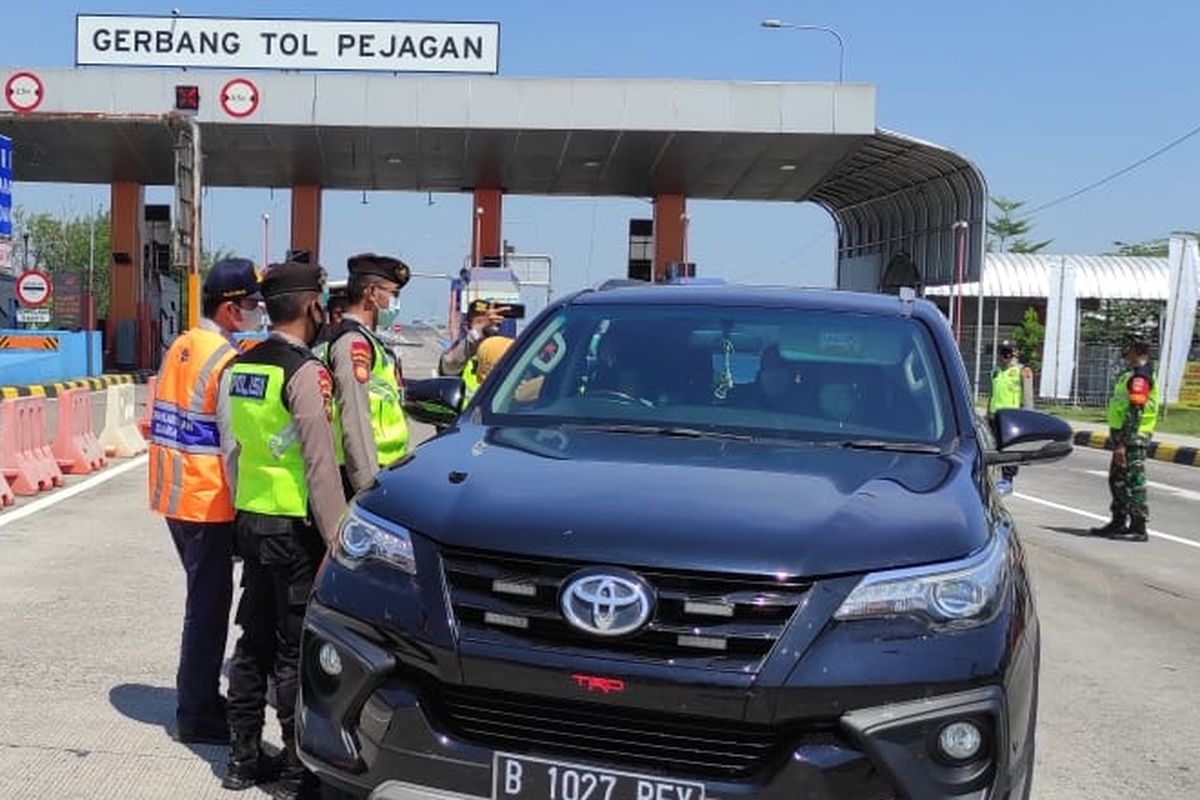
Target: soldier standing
x=1132 y=415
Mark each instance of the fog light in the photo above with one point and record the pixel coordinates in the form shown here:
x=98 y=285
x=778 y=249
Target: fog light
x=960 y=741
x=330 y=661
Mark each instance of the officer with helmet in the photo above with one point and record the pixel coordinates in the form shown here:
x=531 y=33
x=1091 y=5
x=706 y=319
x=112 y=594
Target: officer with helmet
x=371 y=430
x=288 y=496
x=1007 y=392
x=1132 y=417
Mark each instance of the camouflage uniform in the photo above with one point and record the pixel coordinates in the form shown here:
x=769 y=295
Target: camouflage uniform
x=1132 y=415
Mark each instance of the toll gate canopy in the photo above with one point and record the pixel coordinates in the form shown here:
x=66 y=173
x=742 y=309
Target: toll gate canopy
x=895 y=199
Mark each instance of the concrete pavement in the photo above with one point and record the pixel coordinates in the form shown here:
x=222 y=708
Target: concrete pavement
x=91 y=601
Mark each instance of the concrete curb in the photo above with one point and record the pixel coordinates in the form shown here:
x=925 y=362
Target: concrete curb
x=55 y=389
x=1159 y=451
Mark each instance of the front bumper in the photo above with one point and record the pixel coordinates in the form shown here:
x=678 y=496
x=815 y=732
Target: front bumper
x=382 y=733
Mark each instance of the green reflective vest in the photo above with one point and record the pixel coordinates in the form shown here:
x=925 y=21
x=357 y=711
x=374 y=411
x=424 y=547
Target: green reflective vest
x=389 y=426
x=1118 y=404
x=271 y=477
x=470 y=379
x=1006 y=389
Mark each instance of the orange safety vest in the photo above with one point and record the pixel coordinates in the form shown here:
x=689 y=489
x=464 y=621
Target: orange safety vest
x=187 y=474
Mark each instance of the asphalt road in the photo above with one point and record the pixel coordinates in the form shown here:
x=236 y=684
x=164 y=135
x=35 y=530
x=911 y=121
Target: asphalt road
x=91 y=600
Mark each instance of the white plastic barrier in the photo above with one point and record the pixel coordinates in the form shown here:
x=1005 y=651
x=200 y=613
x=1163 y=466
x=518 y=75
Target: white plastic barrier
x=120 y=437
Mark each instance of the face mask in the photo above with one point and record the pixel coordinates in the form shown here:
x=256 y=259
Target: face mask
x=317 y=317
x=252 y=320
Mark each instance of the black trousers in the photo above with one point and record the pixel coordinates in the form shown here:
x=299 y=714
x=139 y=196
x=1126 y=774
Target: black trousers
x=206 y=551
x=280 y=557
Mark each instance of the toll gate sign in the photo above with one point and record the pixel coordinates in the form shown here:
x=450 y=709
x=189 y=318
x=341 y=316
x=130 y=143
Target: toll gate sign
x=6 y=163
x=295 y=44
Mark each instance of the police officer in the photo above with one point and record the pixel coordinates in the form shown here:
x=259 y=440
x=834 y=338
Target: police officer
x=1132 y=415
x=288 y=498
x=188 y=487
x=483 y=320
x=487 y=355
x=1006 y=393
x=369 y=418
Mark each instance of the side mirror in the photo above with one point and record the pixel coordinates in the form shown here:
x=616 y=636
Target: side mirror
x=1025 y=437
x=434 y=401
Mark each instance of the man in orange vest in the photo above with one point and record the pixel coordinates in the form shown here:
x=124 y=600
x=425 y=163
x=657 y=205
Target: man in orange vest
x=188 y=487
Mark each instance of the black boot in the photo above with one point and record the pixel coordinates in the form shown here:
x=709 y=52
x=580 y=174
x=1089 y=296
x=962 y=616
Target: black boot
x=248 y=765
x=1136 y=532
x=1115 y=527
x=295 y=781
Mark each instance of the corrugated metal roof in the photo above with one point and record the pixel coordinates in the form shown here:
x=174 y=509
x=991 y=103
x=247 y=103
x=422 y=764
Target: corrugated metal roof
x=1096 y=277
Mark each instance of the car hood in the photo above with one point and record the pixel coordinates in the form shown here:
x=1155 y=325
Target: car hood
x=685 y=504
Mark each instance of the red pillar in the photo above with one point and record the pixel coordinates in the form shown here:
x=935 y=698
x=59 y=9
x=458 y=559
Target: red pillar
x=486 y=215
x=306 y=220
x=125 y=290
x=670 y=232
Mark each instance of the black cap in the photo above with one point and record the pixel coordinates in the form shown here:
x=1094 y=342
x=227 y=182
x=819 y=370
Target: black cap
x=292 y=277
x=233 y=279
x=478 y=308
x=1007 y=348
x=386 y=267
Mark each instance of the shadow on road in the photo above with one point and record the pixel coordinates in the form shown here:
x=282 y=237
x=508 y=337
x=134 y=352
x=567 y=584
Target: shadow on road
x=155 y=705
x=1084 y=532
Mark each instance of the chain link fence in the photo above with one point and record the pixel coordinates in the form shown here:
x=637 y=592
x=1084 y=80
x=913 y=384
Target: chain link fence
x=1103 y=328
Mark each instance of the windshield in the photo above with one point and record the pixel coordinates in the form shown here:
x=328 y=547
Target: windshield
x=759 y=372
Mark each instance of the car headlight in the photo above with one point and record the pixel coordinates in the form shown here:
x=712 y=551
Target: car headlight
x=363 y=536
x=959 y=594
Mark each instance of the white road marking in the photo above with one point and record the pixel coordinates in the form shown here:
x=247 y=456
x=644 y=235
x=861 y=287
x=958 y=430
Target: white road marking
x=56 y=497
x=1100 y=518
x=1186 y=494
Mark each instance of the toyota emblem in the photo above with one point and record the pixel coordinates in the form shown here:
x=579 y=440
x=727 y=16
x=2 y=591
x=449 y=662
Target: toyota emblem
x=606 y=602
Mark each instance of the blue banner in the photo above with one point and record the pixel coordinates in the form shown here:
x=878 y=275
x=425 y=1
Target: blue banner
x=6 y=163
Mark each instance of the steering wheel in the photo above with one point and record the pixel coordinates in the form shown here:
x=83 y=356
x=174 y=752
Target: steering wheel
x=620 y=397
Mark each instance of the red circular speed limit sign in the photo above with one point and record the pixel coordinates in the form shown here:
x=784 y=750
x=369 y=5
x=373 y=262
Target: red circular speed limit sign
x=33 y=288
x=23 y=91
x=239 y=98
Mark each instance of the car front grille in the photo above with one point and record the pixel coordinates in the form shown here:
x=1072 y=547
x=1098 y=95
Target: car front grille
x=713 y=621
x=618 y=736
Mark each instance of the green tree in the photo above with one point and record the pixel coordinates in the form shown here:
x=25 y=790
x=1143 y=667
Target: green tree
x=1008 y=233
x=63 y=244
x=1029 y=336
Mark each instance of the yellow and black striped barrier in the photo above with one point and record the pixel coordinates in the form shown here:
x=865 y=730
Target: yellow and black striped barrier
x=1159 y=451
x=55 y=389
x=28 y=341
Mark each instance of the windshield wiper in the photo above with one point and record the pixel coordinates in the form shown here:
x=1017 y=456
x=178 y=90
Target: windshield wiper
x=664 y=430
x=891 y=447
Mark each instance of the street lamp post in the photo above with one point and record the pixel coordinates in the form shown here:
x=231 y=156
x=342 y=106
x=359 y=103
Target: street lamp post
x=775 y=23
x=266 y=220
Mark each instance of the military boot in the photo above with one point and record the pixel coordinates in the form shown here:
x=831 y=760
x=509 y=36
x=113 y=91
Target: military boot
x=1136 y=532
x=248 y=765
x=1115 y=527
x=295 y=781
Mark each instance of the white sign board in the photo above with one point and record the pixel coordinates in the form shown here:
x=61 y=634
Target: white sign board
x=33 y=288
x=296 y=44
x=33 y=315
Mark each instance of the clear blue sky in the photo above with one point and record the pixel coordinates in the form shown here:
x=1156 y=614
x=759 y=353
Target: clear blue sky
x=1044 y=96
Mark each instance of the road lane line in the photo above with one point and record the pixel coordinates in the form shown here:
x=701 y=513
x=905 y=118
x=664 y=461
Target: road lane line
x=9 y=517
x=1100 y=518
x=1179 y=491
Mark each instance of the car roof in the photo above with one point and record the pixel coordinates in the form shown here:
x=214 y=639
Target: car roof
x=627 y=293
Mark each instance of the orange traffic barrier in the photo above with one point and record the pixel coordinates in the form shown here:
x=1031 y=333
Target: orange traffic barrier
x=76 y=448
x=25 y=458
x=7 y=498
x=148 y=408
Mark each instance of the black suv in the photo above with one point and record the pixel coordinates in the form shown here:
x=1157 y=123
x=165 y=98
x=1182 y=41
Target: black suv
x=687 y=543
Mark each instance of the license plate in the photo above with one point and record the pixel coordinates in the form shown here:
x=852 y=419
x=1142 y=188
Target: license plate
x=523 y=778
